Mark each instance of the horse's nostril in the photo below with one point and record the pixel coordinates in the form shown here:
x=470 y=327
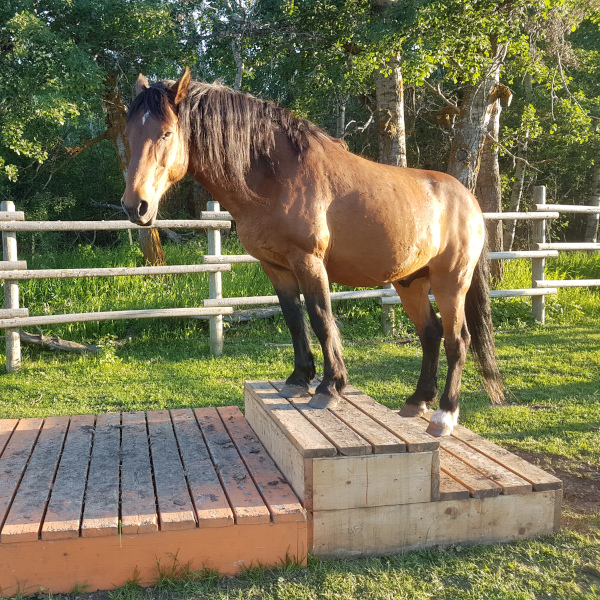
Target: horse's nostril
x=143 y=208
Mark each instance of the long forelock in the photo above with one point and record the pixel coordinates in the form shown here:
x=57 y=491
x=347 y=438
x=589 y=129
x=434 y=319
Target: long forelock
x=154 y=101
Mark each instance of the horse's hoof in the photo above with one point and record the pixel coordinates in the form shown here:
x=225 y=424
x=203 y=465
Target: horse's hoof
x=413 y=410
x=437 y=430
x=321 y=400
x=293 y=390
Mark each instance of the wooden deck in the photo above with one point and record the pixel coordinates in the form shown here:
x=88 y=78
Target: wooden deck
x=92 y=502
x=375 y=483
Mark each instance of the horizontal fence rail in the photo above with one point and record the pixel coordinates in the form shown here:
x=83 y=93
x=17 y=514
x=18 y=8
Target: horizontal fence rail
x=215 y=263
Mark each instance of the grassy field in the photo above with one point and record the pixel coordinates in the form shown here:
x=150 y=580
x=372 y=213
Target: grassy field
x=552 y=415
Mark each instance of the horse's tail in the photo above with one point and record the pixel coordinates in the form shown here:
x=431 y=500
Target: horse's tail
x=478 y=313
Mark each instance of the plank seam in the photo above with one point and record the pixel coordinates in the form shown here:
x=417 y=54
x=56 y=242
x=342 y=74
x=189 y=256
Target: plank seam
x=14 y=494
x=264 y=499
x=87 y=475
x=216 y=467
x=149 y=444
x=53 y=480
x=8 y=439
x=185 y=474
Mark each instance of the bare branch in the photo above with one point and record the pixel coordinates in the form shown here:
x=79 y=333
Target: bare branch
x=438 y=92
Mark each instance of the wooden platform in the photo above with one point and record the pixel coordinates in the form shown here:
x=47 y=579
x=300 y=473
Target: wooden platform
x=375 y=483
x=92 y=502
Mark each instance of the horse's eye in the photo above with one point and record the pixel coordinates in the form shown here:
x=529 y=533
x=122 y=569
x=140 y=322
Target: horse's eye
x=166 y=135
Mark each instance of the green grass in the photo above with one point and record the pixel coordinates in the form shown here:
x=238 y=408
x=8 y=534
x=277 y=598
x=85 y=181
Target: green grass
x=551 y=374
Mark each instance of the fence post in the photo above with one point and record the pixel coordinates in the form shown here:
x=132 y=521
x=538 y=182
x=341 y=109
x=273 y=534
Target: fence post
x=215 y=285
x=538 y=265
x=388 y=315
x=11 y=296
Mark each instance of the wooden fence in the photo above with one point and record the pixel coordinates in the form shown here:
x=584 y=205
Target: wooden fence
x=12 y=270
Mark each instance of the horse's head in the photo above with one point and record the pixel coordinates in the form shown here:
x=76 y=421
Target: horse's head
x=159 y=150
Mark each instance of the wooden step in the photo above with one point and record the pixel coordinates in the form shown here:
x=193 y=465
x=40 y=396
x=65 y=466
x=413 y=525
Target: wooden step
x=97 y=501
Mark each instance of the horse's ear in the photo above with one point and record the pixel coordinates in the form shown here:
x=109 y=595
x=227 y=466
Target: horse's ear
x=182 y=86
x=141 y=84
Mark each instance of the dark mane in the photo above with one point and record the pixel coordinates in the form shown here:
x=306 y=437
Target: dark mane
x=228 y=129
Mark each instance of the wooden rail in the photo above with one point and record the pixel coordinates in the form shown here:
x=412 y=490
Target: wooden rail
x=214 y=263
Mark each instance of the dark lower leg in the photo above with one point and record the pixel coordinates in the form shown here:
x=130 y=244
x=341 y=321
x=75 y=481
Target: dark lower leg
x=288 y=292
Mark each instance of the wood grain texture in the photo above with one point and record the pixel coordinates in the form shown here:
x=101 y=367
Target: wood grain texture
x=210 y=502
x=393 y=529
x=63 y=517
x=375 y=480
x=101 y=510
x=105 y=563
x=346 y=440
x=24 y=519
x=244 y=499
x=479 y=485
x=273 y=487
x=539 y=479
x=415 y=440
x=14 y=460
x=7 y=426
x=450 y=489
x=287 y=457
x=138 y=503
x=303 y=435
x=175 y=508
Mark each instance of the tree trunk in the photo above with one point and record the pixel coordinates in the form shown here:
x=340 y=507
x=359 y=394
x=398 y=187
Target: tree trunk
x=473 y=122
x=116 y=119
x=520 y=169
x=390 y=115
x=340 y=122
x=489 y=190
x=591 y=233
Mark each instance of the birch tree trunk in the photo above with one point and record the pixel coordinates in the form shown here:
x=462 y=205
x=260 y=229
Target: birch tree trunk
x=488 y=188
x=390 y=115
x=472 y=124
x=591 y=233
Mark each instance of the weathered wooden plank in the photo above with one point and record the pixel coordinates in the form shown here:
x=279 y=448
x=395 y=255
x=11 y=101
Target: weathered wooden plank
x=63 y=517
x=138 y=502
x=210 y=502
x=24 y=519
x=381 y=439
x=14 y=460
x=392 y=529
x=101 y=510
x=540 y=479
x=286 y=456
x=416 y=441
x=510 y=483
x=175 y=508
x=245 y=500
x=303 y=435
x=7 y=426
x=479 y=485
x=345 y=439
x=450 y=489
x=275 y=490
x=376 y=480
x=507 y=480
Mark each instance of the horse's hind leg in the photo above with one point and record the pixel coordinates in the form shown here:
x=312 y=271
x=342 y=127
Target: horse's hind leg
x=288 y=292
x=456 y=344
x=416 y=304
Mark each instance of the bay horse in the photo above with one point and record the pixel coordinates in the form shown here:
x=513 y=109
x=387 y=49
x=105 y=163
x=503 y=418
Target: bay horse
x=312 y=212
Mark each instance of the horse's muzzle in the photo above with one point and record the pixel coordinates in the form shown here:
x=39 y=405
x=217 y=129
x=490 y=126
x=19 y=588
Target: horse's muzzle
x=138 y=214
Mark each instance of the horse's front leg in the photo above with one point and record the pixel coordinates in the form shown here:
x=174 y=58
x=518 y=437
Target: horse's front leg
x=286 y=285
x=314 y=282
